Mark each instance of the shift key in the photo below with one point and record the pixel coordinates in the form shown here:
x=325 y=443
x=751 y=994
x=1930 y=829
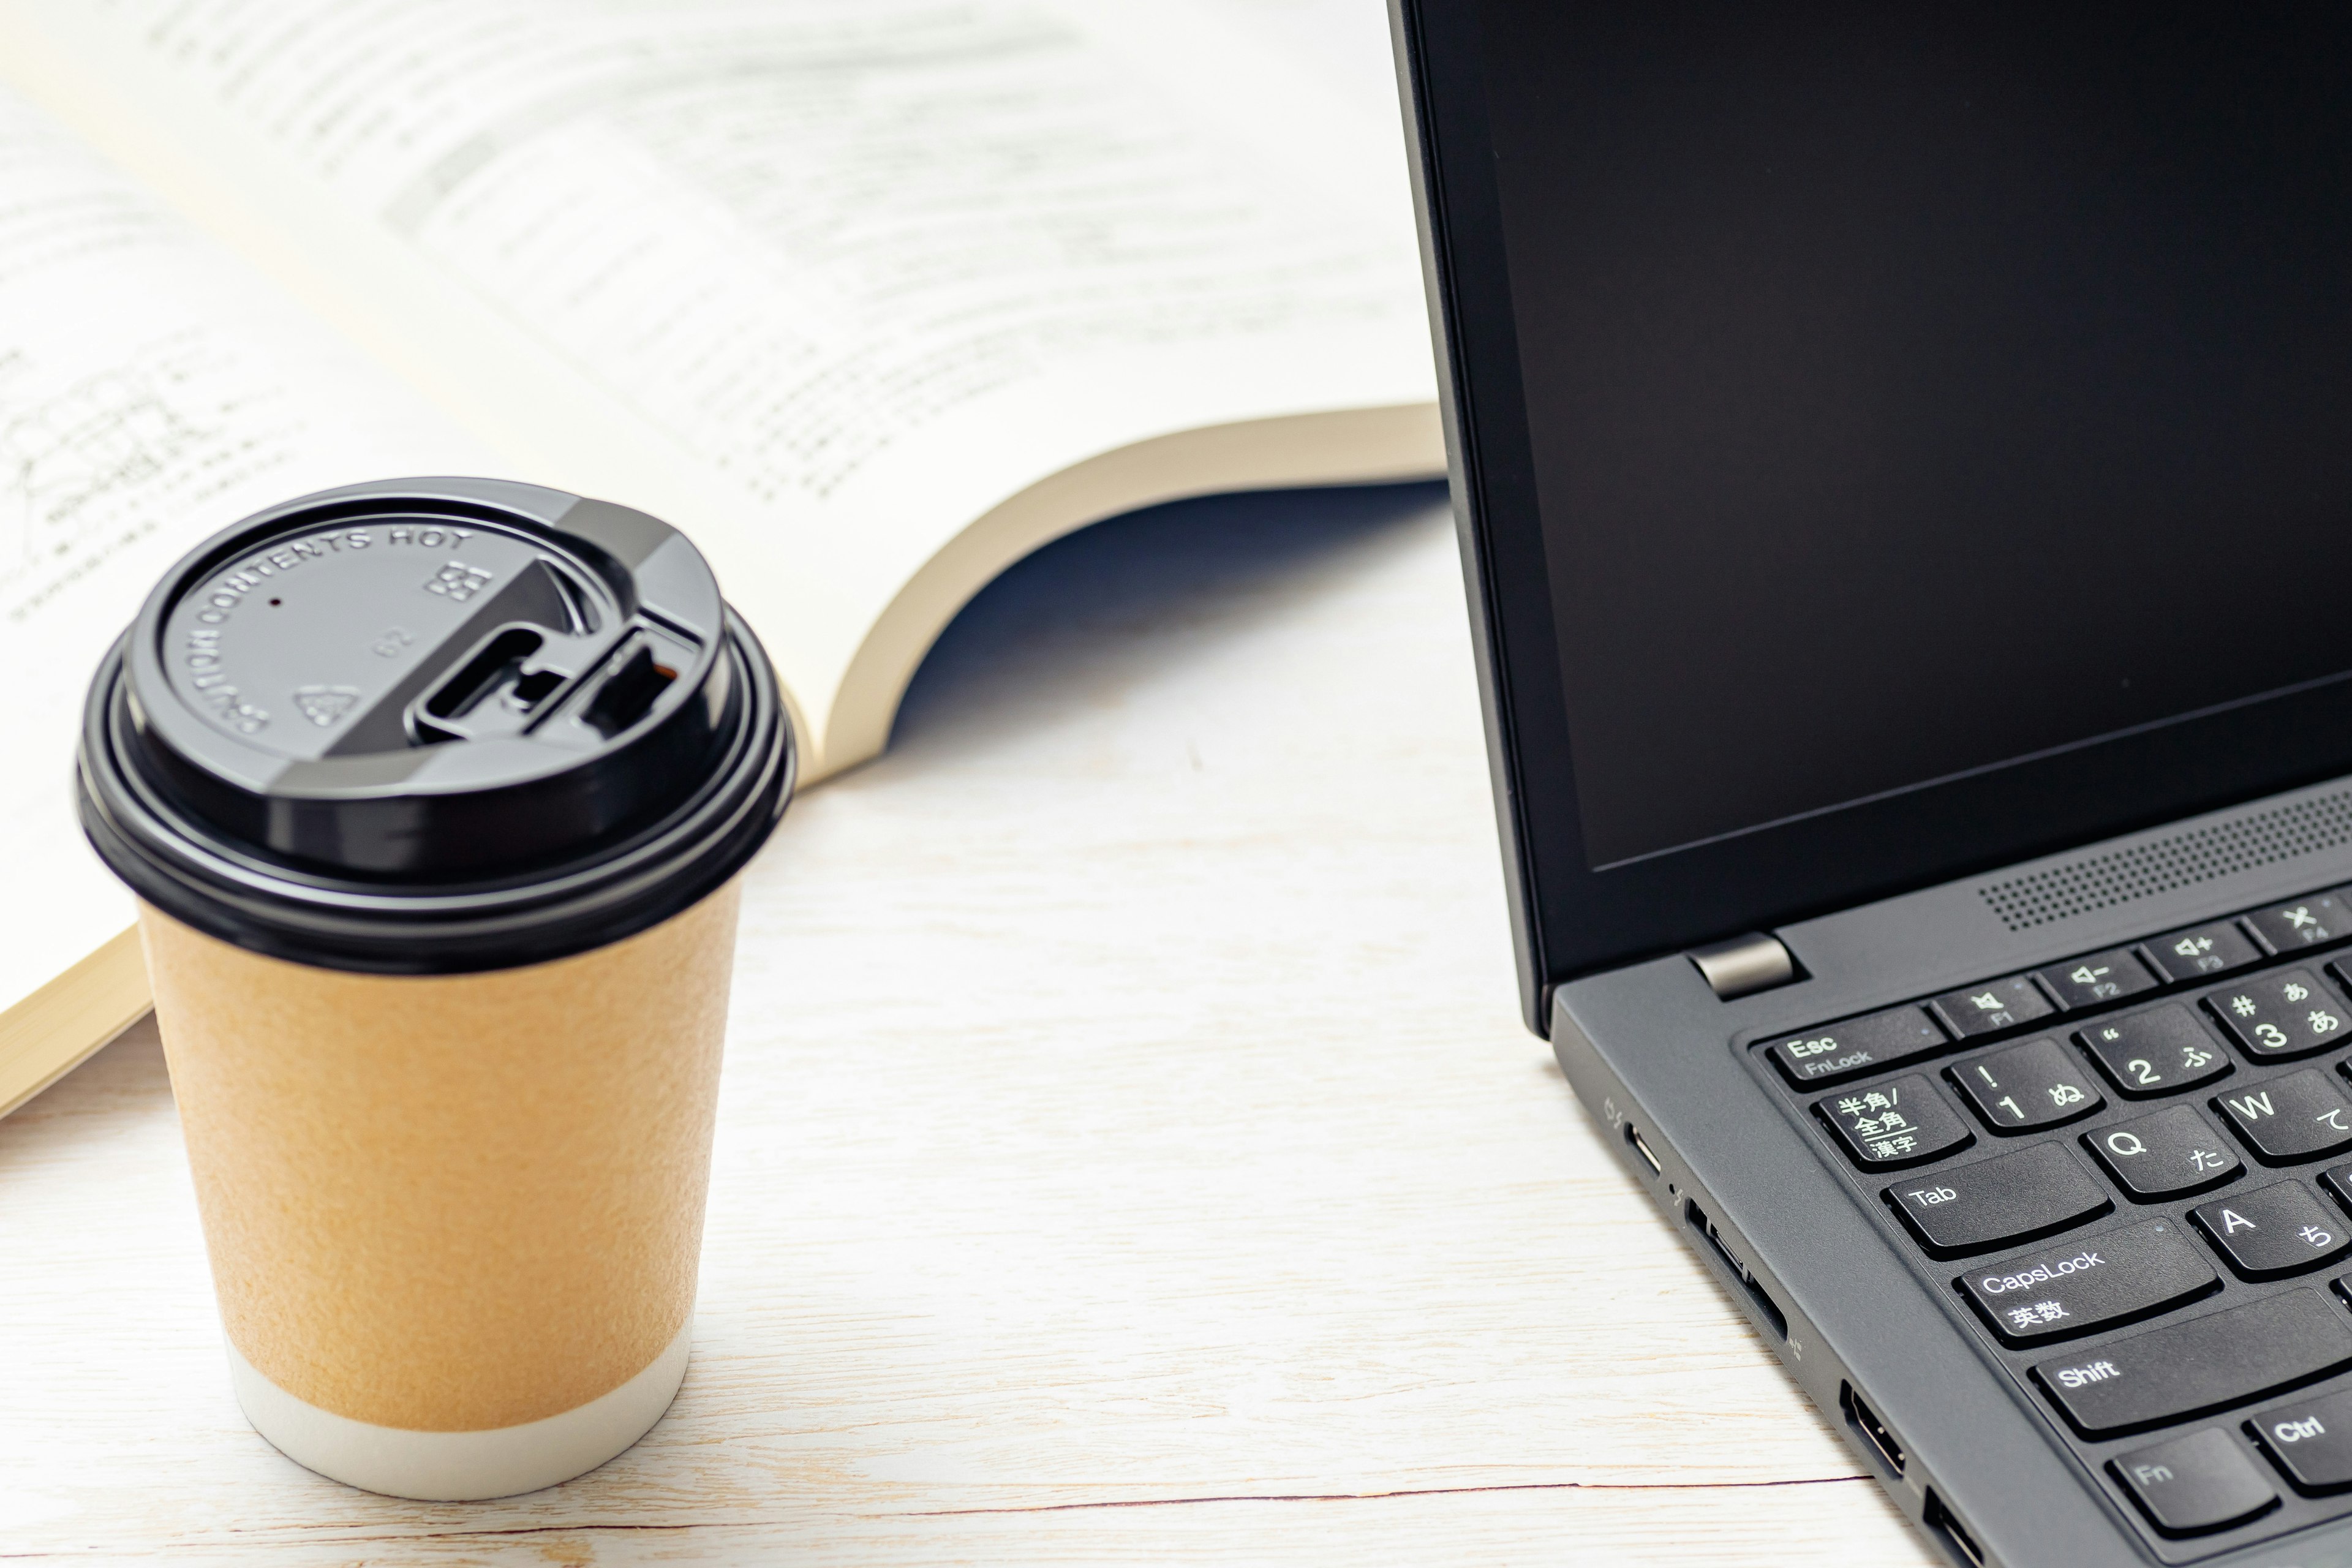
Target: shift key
x=2207 y=1363
x=2095 y=1282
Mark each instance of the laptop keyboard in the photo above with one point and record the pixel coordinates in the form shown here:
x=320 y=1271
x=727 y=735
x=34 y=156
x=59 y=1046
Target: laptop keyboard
x=2134 y=1168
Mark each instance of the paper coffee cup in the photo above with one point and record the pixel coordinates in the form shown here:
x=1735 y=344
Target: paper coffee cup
x=433 y=794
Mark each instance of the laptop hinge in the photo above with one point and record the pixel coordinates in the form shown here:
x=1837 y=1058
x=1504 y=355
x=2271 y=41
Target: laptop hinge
x=1745 y=963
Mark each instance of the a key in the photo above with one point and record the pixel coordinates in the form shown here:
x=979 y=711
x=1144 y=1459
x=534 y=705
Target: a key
x=2208 y=1363
x=2310 y=1441
x=1994 y=1005
x=2160 y=1051
x=2080 y=1286
x=2163 y=1155
x=2037 y=1084
x=2294 y=1117
x=1903 y=1122
x=2283 y=1014
x=2197 y=1484
x=2200 y=950
x=1857 y=1046
x=2272 y=1231
x=2097 y=978
x=2304 y=923
x=2037 y=1191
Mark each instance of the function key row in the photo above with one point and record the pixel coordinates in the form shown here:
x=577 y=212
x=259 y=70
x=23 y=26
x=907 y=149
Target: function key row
x=1838 y=1052
x=2272 y=1016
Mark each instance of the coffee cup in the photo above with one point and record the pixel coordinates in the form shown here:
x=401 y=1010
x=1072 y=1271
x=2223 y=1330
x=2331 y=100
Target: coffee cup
x=433 y=794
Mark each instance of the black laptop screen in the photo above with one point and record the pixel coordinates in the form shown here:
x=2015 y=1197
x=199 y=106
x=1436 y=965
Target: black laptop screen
x=1917 y=390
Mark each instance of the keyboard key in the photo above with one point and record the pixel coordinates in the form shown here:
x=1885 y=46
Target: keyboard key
x=2173 y=1151
x=1885 y=1125
x=2310 y=1441
x=2304 y=922
x=2035 y=1192
x=2200 y=950
x=2160 y=1051
x=2272 y=1231
x=2037 y=1084
x=2339 y=1182
x=1996 y=1005
x=2283 y=1013
x=2299 y=1116
x=2195 y=1485
x=2097 y=979
x=2208 y=1363
x=1857 y=1046
x=2080 y=1286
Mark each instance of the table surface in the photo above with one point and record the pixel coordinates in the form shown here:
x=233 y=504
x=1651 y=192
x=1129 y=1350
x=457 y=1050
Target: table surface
x=1129 y=1150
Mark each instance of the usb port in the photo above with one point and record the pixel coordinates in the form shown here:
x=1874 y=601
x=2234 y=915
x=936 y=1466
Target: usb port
x=1643 y=1149
x=1873 y=1431
x=1942 y=1517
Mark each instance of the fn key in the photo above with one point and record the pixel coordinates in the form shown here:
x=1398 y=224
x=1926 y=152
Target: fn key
x=2197 y=1484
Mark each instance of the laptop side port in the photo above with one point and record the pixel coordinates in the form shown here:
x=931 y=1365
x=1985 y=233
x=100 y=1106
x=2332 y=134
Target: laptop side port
x=1769 y=1309
x=1634 y=1137
x=1873 y=1431
x=1942 y=1522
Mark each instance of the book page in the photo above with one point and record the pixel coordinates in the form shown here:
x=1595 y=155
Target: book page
x=821 y=283
x=152 y=391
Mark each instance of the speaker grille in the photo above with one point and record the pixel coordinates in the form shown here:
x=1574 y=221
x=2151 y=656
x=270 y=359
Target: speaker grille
x=2218 y=849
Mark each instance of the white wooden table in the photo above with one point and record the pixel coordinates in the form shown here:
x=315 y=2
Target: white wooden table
x=1130 y=1150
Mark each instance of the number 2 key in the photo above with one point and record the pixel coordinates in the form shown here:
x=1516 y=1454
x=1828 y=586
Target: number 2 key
x=2160 y=1051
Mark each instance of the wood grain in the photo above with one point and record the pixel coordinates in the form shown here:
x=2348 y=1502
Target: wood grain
x=1127 y=1149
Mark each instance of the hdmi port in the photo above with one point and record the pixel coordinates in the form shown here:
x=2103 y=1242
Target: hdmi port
x=1873 y=1430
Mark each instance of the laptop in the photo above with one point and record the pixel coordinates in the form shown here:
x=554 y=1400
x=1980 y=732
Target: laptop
x=1904 y=461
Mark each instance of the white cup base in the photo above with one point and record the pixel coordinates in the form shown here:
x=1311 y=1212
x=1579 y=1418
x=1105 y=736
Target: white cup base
x=461 y=1467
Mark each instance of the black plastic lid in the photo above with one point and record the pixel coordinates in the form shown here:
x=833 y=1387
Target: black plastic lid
x=429 y=726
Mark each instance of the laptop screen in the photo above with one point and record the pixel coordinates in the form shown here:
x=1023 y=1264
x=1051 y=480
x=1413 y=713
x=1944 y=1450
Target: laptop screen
x=1917 y=391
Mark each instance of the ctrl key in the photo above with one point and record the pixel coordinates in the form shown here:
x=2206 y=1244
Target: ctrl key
x=2310 y=1441
x=2195 y=1485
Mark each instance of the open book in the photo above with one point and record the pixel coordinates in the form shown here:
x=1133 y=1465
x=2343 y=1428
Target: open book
x=870 y=297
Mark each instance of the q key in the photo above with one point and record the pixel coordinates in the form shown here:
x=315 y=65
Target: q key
x=2173 y=1151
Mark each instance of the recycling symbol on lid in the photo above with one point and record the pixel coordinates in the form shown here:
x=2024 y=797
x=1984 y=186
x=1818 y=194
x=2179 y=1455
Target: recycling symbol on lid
x=322 y=705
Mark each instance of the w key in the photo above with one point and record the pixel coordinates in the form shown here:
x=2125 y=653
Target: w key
x=2298 y=1117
